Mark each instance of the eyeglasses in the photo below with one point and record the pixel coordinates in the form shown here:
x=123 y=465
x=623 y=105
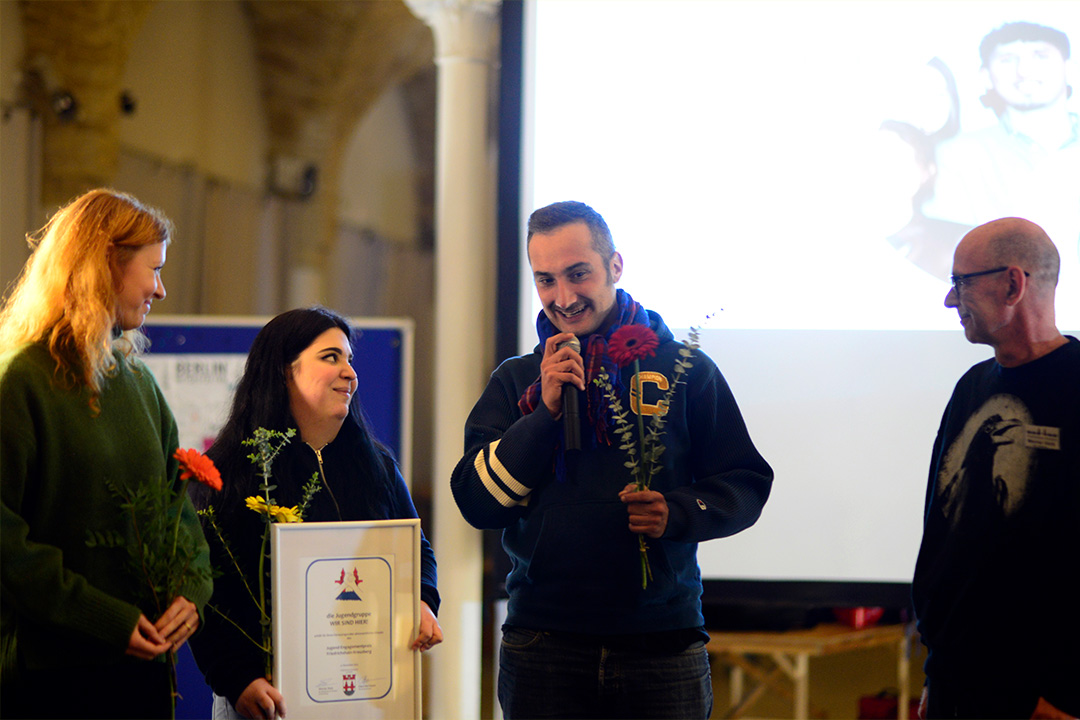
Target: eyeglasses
x=959 y=281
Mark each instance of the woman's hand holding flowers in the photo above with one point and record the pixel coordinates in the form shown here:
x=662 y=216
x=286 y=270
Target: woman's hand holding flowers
x=178 y=622
x=146 y=643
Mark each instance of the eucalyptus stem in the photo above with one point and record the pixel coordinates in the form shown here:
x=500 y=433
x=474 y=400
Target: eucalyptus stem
x=642 y=469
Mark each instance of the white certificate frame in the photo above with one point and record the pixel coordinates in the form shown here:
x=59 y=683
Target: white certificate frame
x=323 y=634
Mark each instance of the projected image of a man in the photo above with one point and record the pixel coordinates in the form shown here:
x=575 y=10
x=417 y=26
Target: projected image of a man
x=1024 y=73
x=1027 y=164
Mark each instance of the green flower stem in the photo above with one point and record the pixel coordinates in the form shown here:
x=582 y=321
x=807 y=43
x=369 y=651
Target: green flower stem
x=264 y=619
x=142 y=558
x=643 y=474
x=179 y=510
x=171 y=656
x=221 y=613
x=262 y=578
x=642 y=470
x=267 y=444
x=212 y=519
x=646 y=570
x=174 y=691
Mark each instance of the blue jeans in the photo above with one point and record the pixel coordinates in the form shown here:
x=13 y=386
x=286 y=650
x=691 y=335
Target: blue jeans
x=545 y=675
x=222 y=709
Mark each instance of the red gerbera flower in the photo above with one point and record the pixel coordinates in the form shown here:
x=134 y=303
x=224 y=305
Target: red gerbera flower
x=632 y=342
x=193 y=464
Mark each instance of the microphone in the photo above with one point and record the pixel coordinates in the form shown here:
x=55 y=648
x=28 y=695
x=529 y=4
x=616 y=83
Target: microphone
x=571 y=415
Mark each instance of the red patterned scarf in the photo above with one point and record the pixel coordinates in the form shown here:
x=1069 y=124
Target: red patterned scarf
x=596 y=357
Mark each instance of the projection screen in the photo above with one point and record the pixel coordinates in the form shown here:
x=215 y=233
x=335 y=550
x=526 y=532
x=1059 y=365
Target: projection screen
x=775 y=173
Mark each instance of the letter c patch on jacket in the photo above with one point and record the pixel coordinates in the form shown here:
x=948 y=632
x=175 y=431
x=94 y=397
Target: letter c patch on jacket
x=648 y=377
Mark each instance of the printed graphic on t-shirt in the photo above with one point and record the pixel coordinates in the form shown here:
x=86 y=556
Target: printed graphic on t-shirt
x=987 y=468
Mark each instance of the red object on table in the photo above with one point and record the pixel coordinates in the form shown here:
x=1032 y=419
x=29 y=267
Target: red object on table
x=859 y=617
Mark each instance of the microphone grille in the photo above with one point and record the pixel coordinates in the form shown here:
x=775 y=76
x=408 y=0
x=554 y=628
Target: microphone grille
x=573 y=343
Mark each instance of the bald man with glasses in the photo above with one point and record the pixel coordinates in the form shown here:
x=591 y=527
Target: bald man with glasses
x=995 y=586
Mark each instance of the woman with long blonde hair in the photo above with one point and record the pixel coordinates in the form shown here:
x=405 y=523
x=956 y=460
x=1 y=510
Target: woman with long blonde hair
x=80 y=415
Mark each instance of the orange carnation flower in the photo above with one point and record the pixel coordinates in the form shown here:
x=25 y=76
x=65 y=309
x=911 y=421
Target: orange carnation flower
x=193 y=464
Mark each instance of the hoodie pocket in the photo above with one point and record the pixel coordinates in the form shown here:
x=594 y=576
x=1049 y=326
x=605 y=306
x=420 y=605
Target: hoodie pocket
x=582 y=543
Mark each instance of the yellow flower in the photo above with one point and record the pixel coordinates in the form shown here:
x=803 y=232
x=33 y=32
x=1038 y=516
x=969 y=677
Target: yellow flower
x=277 y=513
x=285 y=514
x=257 y=504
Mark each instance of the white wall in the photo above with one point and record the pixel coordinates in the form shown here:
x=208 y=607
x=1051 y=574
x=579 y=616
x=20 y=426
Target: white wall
x=378 y=173
x=15 y=134
x=193 y=73
x=11 y=48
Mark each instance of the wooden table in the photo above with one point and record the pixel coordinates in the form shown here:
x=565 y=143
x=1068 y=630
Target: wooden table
x=781 y=660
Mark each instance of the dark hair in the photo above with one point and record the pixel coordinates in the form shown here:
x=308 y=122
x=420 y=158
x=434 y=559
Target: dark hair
x=1022 y=32
x=554 y=216
x=262 y=400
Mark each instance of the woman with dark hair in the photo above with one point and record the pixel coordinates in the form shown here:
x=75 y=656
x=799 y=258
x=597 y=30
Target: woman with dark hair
x=298 y=375
x=80 y=418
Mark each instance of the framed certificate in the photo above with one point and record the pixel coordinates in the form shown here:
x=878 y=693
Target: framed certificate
x=346 y=606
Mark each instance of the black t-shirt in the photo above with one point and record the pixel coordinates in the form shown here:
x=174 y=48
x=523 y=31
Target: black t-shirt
x=996 y=580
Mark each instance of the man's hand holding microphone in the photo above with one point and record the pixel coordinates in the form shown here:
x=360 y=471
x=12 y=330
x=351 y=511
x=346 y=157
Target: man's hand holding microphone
x=562 y=375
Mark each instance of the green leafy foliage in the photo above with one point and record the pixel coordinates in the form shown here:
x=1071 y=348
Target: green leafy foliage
x=268 y=445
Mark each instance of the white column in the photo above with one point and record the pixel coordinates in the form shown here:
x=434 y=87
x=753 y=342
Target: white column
x=464 y=327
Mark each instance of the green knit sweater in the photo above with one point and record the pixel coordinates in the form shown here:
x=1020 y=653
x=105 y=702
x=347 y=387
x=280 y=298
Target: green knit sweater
x=64 y=604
